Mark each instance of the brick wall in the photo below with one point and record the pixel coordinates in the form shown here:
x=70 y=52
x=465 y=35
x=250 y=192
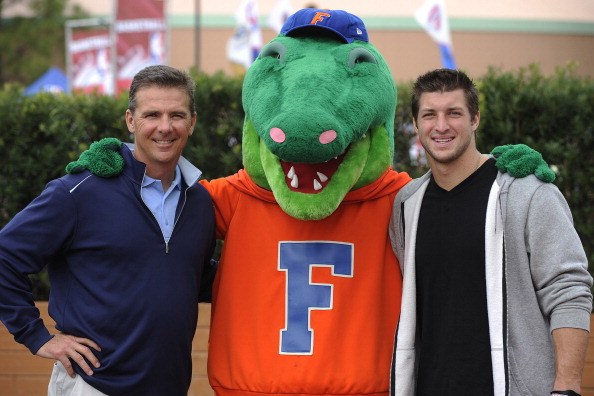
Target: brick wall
x=22 y=374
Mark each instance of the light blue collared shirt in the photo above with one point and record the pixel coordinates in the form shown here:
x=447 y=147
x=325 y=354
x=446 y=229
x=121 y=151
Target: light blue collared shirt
x=162 y=203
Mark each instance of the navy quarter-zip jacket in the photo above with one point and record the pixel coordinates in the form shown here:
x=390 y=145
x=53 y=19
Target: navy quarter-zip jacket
x=113 y=279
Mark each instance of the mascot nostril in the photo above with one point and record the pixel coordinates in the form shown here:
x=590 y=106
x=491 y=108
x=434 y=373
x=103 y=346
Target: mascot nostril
x=328 y=136
x=277 y=135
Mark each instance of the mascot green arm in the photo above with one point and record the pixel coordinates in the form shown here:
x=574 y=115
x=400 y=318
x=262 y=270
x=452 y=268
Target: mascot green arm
x=103 y=159
x=319 y=123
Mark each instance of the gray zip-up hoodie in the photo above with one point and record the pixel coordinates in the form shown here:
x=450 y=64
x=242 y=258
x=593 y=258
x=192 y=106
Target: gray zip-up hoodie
x=537 y=281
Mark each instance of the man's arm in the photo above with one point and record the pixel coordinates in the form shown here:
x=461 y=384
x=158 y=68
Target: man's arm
x=207 y=280
x=30 y=240
x=570 y=355
x=559 y=268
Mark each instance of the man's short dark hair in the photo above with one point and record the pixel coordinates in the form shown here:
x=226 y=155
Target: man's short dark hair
x=445 y=80
x=164 y=77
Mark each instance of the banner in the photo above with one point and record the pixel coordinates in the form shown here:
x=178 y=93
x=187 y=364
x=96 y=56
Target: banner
x=279 y=14
x=89 y=53
x=245 y=44
x=140 y=29
x=432 y=16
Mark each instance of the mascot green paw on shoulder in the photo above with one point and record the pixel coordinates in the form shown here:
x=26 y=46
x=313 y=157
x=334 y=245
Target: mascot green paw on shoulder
x=307 y=294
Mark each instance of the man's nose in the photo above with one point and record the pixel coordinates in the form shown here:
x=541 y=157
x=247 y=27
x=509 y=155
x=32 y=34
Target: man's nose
x=165 y=124
x=441 y=123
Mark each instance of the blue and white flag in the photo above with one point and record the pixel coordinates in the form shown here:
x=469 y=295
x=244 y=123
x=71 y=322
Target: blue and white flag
x=279 y=14
x=432 y=16
x=245 y=44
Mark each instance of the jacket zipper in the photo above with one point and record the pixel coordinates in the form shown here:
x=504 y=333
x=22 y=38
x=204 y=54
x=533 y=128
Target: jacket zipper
x=176 y=219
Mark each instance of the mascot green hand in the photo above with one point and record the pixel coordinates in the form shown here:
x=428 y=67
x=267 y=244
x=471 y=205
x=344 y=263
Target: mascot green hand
x=308 y=289
x=520 y=161
x=101 y=159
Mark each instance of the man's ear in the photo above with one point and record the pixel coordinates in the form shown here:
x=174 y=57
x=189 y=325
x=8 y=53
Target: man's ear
x=194 y=120
x=476 y=121
x=130 y=120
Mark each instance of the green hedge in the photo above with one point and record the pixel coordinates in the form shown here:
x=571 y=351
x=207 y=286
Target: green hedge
x=554 y=114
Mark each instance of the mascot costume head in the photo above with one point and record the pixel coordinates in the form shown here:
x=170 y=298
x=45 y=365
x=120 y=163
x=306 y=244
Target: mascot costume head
x=307 y=293
x=319 y=104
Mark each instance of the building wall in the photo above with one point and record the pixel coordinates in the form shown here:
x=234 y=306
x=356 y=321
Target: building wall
x=567 y=10
x=22 y=374
x=507 y=34
x=410 y=53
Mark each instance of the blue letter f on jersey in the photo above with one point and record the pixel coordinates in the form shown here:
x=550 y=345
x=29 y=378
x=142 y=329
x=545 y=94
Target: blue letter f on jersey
x=302 y=295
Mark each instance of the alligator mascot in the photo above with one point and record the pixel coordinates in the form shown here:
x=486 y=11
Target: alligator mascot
x=307 y=293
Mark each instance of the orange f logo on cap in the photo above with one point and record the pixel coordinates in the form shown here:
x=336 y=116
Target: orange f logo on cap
x=319 y=17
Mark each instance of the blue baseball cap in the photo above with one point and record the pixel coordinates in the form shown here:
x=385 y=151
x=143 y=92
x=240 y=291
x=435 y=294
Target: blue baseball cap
x=347 y=26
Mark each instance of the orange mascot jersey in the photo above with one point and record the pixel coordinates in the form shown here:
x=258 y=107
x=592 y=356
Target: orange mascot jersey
x=303 y=307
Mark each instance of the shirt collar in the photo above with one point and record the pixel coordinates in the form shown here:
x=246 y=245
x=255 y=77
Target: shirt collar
x=176 y=183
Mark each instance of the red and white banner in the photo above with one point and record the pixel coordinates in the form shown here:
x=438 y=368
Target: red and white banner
x=140 y=28
x=90 y=61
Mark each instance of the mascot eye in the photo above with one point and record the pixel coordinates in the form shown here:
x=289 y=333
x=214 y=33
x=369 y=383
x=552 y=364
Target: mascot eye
x=274 y=50
x=361 y=55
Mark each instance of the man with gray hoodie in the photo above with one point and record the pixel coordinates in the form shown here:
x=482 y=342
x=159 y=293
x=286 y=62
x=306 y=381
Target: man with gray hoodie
x=496 y=294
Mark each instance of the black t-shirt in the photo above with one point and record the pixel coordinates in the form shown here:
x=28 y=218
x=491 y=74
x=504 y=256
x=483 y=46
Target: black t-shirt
x=455 y=351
